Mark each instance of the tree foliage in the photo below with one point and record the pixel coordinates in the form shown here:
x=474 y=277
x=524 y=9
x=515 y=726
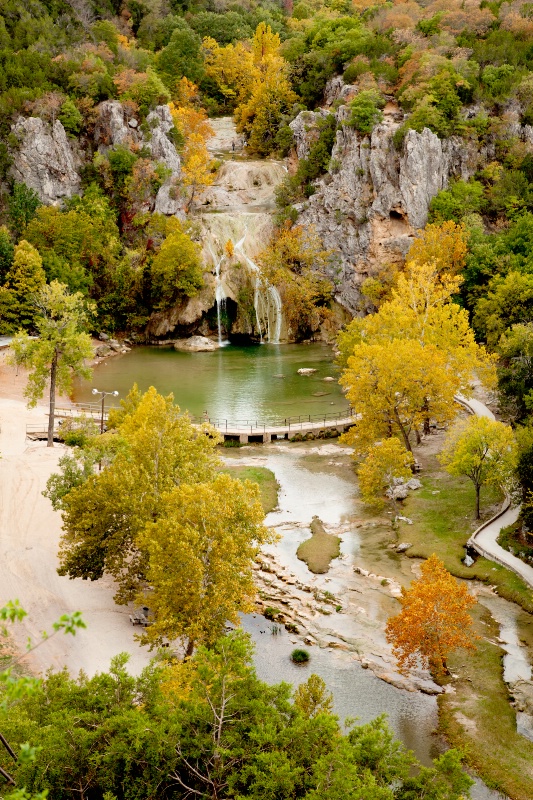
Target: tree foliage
x=59 y=350
x=482 y=449
x=385 y=462
x=434 y=620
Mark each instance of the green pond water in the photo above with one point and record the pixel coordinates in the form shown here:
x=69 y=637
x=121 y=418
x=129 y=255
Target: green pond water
x=233 y=383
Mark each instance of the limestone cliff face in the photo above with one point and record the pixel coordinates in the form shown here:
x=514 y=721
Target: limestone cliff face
x=48 y=161
x=44 y=160
x=369 y=205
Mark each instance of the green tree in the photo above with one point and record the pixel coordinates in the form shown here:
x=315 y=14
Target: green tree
x=24 y=279
x=483 y=450
x=515 y=372
x=60 y=349
x=507 y=302
x=365 y=111
x=182 y=56
x=176 y=270
x=70 y=117
x=7 y=252
x=22 y=204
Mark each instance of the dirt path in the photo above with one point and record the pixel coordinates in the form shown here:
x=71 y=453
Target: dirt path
x=29 y=537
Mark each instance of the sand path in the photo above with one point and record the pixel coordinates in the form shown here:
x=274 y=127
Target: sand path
x=29 y=538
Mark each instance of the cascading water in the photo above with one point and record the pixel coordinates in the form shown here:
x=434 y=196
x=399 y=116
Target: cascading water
x=267 y=301
x=243 y=197
x=220 y=294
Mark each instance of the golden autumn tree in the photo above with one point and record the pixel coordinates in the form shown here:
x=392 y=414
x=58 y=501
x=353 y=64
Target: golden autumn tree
x=296 y=262
x=393 y=388
x=482 y=449
x=194 y=126
x=434 y=620
x=200 y=555
x=442 y=244
x=231 y=68
x=385 y=461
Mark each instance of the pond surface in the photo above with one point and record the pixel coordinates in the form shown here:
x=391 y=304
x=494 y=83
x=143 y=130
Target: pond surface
x=233 y=383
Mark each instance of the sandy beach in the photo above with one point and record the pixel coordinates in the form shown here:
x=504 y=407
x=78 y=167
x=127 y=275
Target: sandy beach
x=29 y=535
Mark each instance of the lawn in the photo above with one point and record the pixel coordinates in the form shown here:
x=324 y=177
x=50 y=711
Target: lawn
x=443 y=514
x=478 y=719
x=265 y=479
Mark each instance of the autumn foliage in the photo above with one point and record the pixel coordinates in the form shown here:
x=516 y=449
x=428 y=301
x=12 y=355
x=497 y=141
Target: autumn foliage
x=434 y=620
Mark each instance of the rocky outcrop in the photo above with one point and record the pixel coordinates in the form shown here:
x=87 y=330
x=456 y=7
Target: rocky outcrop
x=196 y=344
x=169 y=200
x=374 y=197
x=113 y=126
x=44 y=160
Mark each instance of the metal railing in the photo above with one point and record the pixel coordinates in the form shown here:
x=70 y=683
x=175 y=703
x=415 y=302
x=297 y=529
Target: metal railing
x=224 y=424
x=291 y=422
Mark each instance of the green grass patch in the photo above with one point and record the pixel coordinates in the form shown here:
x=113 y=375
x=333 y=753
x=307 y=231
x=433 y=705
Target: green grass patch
x=443 y=514
x=265 y=479
x=320 y=549
x=479 y=720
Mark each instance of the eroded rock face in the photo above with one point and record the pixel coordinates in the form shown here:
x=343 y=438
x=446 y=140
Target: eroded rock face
x=169 y=200
x=112 y=126
x=369 y=205
x=45 y=160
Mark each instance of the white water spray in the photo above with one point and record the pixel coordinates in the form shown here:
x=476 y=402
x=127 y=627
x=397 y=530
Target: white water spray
x=220 y=294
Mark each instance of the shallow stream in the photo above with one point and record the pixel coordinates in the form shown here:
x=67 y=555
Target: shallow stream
x=315 y=478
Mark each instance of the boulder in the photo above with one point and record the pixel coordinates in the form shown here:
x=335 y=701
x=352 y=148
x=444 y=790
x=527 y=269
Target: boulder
x=196 y=344
x=44 y=160
x=399 y=492
x=329 y=380
x=103 y=336
x=169 y=201
x=306 y=371
x=102 y=351
x=111 y=126
x=414 y=483
x=403 y=547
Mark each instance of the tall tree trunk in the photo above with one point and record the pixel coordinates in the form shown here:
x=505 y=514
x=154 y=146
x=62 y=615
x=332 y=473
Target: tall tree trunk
x=51 y=415
x=190 y=649
x=478 y=492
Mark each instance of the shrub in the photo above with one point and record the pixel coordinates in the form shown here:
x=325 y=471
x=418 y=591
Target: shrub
x=271 y=613
x=300 y=656
x=365 y=111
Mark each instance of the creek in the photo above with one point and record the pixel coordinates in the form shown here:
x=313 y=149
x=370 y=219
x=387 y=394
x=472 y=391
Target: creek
x=261 y=383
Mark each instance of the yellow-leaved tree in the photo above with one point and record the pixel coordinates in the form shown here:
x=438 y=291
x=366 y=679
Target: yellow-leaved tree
x=162 y=521
x=482 y=449
x=193 y=124
x=434 y=620
x=253 y=79
x=385 y=461
x=296 y=262
x=393 y=387
x=200 y=556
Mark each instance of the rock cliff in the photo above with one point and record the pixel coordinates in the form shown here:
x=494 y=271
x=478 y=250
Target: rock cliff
x=374 y=197
x=48 y=161
x=45 y=160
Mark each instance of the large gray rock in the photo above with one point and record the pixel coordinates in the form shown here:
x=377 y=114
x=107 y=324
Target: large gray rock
x=44 y=160
x=169 y=199
x=112 y=126
x=196 y=344
x=374 y=197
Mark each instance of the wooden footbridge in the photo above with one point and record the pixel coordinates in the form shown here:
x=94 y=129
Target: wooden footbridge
x=294 y=428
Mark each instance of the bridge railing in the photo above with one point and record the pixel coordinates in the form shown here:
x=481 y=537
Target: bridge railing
x=223 y=424
x=289 y=422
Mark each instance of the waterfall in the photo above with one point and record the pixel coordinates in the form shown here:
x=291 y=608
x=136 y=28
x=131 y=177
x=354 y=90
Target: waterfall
x=267 y=301
x=220 y=294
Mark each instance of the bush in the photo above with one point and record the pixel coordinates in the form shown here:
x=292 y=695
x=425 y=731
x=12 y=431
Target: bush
x=365 y=111
x=271 y=613
x=459 y=199
x=300 y=656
